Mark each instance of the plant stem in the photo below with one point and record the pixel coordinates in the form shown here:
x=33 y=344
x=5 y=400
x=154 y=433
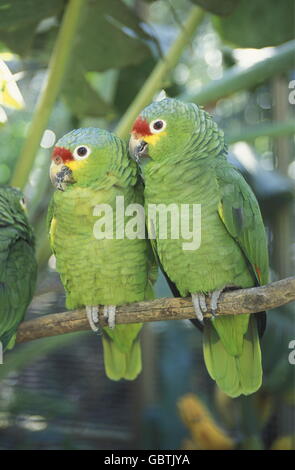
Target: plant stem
x=274 y=129
x=57 y=67
x=156 y=79
x=239 y=78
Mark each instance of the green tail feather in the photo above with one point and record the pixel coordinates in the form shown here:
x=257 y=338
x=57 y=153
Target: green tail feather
x=8 y=339
x=122 y=360
x=234 y=374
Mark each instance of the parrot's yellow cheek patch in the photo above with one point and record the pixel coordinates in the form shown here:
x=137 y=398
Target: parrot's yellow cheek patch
x=153 y=139
x=76 y=164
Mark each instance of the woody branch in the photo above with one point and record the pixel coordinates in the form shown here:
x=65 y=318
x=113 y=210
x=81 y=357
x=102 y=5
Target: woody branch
x=236 y=302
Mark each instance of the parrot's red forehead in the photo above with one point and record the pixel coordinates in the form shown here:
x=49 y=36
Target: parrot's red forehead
x=61 y=154
x=141 y=127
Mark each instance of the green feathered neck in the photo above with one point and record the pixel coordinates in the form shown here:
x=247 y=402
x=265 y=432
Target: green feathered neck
x=12 y=213
x=200 y=151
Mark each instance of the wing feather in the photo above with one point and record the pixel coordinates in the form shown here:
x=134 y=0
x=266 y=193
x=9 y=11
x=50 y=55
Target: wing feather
x=240 y=213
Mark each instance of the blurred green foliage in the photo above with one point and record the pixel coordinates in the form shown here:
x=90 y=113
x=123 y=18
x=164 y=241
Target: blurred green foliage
x=218 y=7
x=258 y=24
x=116 y=47
x=109 y=36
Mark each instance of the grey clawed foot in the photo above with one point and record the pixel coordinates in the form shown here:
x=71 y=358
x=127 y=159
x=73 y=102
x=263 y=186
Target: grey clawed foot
x=109 y=312
x=92 y=316
x=199 y=303
x=214 y=301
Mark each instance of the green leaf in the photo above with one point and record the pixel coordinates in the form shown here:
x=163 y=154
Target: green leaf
x=20 y=40
x=129 y=83
x=218 y=7
x=20 y=18
x=109 y=37
x=83 y=99
x=16 y=14
x=258 y=24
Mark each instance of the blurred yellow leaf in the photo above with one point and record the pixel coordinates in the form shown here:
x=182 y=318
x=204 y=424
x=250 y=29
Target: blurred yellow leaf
x=284 y=443
x=206 y=434
x=10 y=95
x=189 y=444
x=226 y=407
x=3 y=116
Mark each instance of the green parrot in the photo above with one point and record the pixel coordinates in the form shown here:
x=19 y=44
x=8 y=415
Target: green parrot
x=91 y=169
x=18 y=266
x=185 y=163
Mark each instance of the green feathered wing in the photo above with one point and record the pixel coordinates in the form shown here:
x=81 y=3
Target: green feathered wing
x=231 y=344
x=18 y=269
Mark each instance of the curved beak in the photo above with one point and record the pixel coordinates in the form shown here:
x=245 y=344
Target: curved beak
x=138 y=148
x=60 y=175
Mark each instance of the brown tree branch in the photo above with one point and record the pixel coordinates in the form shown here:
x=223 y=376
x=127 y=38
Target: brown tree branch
x=234 y=302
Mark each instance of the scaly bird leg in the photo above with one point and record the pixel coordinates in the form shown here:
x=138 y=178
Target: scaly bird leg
x=92 y=315
x=199 y=303
x=109 y=312
x=214 y=301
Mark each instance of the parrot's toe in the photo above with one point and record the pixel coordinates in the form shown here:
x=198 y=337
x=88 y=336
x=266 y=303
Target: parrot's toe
x=214 y=301
x=92 y=316
x=106 y=311
x=199 y=303
x=109 y=312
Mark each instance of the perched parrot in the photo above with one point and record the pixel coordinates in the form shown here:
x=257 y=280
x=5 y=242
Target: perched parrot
x=91 y=167
x=18 y=266
x=185 y=163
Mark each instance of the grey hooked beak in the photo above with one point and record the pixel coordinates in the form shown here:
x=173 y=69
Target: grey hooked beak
x=138 y=148
x=60 y=175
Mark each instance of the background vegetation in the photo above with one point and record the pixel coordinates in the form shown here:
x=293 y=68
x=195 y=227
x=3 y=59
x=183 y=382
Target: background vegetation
x=77 y=63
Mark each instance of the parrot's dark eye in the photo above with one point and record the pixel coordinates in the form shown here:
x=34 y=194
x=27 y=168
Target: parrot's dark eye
x=81 y=152
x=158 y=125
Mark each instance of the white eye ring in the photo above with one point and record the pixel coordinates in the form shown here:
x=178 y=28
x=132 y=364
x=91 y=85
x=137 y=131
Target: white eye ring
x=81 y=152
x=157 y=123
